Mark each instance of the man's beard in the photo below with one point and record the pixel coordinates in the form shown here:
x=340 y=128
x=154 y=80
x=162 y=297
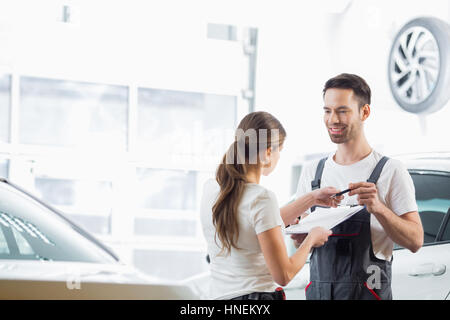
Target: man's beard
x=348 y=134
x=339 y=139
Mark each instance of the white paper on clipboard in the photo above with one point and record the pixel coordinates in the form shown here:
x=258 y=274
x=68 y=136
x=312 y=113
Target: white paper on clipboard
x=323 y=217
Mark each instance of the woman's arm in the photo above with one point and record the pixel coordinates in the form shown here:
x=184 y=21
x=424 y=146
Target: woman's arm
x=282 y=267
x=292 y=210
x=322 y=197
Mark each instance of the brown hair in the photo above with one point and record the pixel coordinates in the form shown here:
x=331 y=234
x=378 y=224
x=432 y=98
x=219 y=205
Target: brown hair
x=231 y=173
x=350 y=81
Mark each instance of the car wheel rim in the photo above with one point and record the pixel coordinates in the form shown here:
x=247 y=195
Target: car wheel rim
x=415 y=64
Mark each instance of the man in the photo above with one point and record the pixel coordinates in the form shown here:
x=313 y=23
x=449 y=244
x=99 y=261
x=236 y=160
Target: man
x=355 y=263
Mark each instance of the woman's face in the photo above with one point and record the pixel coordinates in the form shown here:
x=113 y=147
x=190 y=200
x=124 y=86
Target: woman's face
x=272 y=157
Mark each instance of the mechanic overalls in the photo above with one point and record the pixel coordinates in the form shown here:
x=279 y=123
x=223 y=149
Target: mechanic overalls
x=345 y=266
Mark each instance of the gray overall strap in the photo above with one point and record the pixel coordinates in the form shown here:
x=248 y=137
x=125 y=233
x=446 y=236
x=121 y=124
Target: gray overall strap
x=377 y=171
x=315 y=184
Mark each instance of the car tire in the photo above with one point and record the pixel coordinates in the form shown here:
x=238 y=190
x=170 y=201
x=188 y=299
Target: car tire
x=422 y=64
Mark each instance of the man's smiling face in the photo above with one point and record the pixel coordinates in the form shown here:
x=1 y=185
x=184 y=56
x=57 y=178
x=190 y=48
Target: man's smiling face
x=342 y=115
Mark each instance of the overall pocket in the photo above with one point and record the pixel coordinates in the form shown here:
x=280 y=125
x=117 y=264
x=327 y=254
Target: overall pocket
x=345 y=240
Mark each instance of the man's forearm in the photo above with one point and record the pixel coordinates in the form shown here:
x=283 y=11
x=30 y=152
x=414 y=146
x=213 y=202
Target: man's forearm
x=405 y=233
x=292 y=210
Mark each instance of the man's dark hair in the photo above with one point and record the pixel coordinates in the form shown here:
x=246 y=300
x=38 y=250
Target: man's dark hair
x=351 y=81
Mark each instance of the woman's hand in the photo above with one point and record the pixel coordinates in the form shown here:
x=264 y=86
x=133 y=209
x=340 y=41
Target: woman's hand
x=298 y=238
x=318 y=236
x=323 y=197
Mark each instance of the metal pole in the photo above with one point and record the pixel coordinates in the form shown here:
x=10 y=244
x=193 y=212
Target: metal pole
x=250 y=44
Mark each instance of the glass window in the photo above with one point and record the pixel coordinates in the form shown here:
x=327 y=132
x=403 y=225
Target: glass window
x=73 y=114
x=222 y=32
x=3 y=244
x=446 y=234
x=22 y=244
x=92 y=199
x=5 y=103
x=184 y=123
x=4 y=168
x=93 y=223
x=81 y=194
x=165 y=227
x=433 y=200
x=295 y=177
x=166 y=189
x=166 y=264
x=33 y=232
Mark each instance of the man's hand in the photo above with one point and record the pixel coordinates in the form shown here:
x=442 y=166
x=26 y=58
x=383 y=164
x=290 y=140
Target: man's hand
x=367 y=195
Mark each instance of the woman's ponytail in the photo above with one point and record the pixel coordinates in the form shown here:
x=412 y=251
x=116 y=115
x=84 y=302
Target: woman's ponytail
x=231 y=179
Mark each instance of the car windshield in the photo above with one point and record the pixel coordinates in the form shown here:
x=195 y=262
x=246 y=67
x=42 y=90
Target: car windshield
x=31 y=231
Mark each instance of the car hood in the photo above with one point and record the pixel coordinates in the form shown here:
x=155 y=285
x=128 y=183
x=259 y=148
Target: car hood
x=72 y=271
x=51 y=280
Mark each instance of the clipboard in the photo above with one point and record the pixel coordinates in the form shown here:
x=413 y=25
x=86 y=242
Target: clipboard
x=326 y=218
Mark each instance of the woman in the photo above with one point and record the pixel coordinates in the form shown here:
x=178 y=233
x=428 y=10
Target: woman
x=241 y=220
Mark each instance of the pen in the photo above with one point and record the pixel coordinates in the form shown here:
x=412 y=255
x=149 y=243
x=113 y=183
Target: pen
x=341 y=193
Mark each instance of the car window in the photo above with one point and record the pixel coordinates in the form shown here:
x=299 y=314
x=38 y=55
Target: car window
x=446 y=233
x=30 y=231
x=4 y=249
x=16 y=245
x=433 y=201
x=22 y=244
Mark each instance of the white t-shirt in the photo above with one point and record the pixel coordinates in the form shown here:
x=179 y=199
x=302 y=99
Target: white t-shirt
x=243 y=271
x=395 y=190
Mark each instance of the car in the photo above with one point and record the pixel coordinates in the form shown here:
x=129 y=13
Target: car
x=426 y=273
x=44 y=255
